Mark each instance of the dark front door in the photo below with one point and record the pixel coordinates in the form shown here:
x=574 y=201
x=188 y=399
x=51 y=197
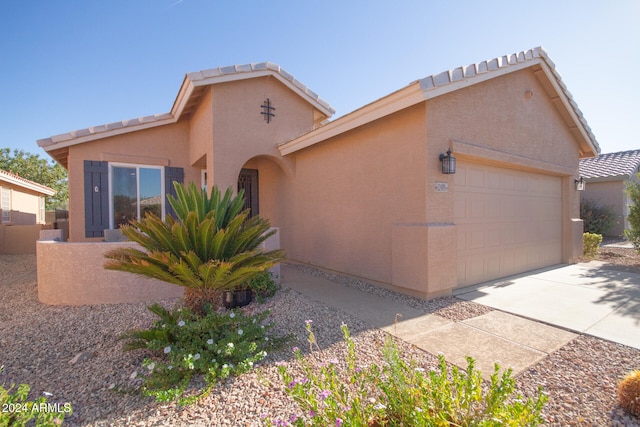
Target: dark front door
x=248 y=181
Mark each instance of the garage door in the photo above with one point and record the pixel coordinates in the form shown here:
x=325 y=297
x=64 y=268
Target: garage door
x=507 y=221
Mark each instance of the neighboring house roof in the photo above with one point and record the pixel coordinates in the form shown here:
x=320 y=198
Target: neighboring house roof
x=620 y=165
x=25 y=183
x=189 y=95
x=458 y=78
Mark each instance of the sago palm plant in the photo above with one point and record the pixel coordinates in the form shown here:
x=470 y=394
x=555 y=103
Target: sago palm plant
x=212 y=246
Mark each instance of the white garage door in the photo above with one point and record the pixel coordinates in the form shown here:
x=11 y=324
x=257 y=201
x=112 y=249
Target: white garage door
x=508 y=222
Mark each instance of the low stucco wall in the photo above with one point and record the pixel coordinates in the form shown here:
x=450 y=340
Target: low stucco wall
x=73 y=274
x=19 y=239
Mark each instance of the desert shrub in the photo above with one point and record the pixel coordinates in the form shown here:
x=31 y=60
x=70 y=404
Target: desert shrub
x=186 y=345
x=263 y=286
x=591 y=244
x=597 y=219
x=633 y=233
x=16 y=410
x=212 y=246
x=401 y=393
x=629 y=393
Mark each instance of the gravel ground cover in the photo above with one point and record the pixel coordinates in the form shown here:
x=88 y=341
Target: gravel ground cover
x=37 y=343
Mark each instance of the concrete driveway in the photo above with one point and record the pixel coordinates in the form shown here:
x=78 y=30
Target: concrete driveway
x=587 y=298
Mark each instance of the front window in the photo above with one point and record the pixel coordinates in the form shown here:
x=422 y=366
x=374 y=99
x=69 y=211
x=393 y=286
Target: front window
x=135 y=191
x=6 y=204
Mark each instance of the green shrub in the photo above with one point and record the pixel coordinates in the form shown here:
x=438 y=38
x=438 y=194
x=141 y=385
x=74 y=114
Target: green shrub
x=591 y=244
x=16 y=410
x=597 y=219
x=633 y=233
x=400 y=393
x=214 y=346
x=263 y=286
x=212 y=246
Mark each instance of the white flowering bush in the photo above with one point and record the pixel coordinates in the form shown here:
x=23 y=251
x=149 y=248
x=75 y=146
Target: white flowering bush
x=16 y=410
x=400 y=393
x=185 y=345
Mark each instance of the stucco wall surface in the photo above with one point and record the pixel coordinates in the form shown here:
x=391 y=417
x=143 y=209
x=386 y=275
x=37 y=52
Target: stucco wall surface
x=19 y=239
x=349 y=191
x=609 y=193
x=73 y=274
x=25 y=205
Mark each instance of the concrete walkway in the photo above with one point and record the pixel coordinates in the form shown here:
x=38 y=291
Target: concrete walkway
x=510 y=340
x=586 y=298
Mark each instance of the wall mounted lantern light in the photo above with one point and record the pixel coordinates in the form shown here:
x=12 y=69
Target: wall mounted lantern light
x=580 y=184
x=448 y=163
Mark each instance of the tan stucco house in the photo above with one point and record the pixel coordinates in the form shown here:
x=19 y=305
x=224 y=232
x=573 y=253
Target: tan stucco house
x=606 y=177
x=364 y=194
x=23 y=201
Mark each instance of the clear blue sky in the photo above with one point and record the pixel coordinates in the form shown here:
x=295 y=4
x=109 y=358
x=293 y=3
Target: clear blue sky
x=71 y=64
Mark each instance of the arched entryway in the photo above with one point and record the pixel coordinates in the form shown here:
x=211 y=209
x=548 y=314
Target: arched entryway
x=248 y=181
x=264 y=180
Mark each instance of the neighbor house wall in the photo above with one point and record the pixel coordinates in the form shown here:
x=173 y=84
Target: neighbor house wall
x=25 y=205
x=611 y=194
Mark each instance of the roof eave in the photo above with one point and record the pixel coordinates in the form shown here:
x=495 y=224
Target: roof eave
x=399 y=100
x=448 y=81
x=25 y=183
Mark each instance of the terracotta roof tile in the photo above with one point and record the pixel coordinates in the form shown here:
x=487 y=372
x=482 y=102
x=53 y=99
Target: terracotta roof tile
x=622 y=164
x=23 y=182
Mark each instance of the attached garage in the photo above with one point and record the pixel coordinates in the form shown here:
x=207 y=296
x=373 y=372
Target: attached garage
x=507 y=221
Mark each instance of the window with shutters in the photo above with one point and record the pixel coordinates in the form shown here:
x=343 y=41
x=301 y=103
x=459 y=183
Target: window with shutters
x=116 y=193
x=135 y=190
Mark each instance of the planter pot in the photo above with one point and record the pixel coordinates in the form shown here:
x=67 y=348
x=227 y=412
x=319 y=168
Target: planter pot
x=237 y=298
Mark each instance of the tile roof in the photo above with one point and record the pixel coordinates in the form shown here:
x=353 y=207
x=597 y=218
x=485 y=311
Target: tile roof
x=448 y=81
x=25 y=183
x=188 y=94
x=494 y=66
x=621 y=164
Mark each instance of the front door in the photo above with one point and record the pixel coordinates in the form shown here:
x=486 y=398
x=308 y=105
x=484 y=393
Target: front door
x=248 y=181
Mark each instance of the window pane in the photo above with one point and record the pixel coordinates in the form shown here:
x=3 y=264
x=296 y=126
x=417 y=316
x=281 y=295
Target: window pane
x=150 y=192
x=6 y=205
x=124 y=196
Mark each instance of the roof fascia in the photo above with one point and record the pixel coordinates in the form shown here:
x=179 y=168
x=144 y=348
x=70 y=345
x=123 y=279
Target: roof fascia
x=25 y=183
x=571 y=107
x=622 y=177
x=189 y=85
x=399 y=100
x=431 y=87
x=67 y=140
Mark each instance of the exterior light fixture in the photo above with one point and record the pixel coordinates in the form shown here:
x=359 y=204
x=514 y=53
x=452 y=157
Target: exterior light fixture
x=580 y=184
x=448 y=163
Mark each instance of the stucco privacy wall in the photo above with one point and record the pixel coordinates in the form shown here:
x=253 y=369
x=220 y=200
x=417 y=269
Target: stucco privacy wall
x=159 y=146
x=19 y=239
x=73 y=274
